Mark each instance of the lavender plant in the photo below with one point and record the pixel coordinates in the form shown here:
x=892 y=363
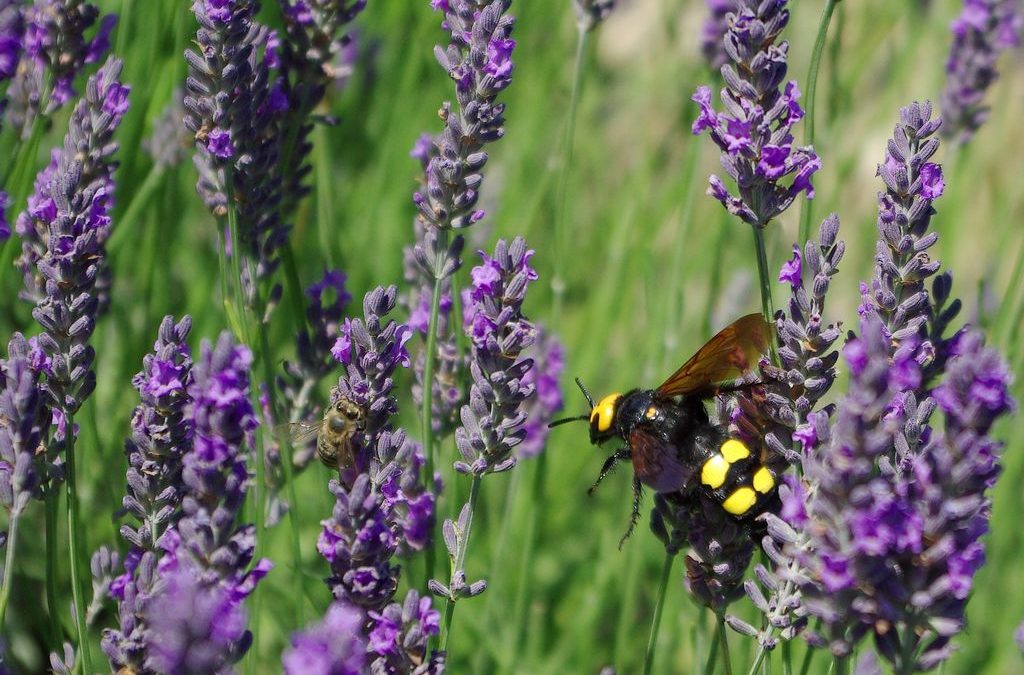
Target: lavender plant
x=333 y=646
x=590 y=13
x=983 y=30
x=493 y=420
x=755 y=131
x=714 y=30
x=162 y=434
x=55 y=50
x=379 y=504
x=11 y=44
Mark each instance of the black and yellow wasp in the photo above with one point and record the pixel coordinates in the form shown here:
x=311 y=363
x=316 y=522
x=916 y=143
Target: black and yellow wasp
x=669 y=437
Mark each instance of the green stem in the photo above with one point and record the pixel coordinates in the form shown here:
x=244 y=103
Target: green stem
x=458 y=563
x=812 y=89
x=52 y=603
x=75 y=544
x=429 y=451
x=652 y=640
x=908 y=649
x=787 y=658
x=562 y=203
x=758 y=660
x=805 y=666
x=841 y=665
x=520 y=605
x=726 y=661
x=709 y=665
x=5 y=589
x=767 y=306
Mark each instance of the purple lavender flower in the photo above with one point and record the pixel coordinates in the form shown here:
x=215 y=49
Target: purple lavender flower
x=24 y=425
x=714 y=30
x=238 y=128
x=755 y=134
x=400 y=636
x=548 y=356
x=493 y=420
x=982 y=31
x=64 y=231
x=898 y=292
x=334 y=646
x=590 y=13
x=206 y=558
x=161 y=435
x=196 y=627
x=55 y=51
x=169 y=142
x=898 y=508
x=11 y=37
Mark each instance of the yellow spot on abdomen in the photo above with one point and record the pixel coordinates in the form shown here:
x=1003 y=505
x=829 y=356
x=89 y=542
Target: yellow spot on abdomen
x=651 y=413
x=740 y=501
x=763 y=480
x=714 y=472
x=734 y=451
x=603 y=413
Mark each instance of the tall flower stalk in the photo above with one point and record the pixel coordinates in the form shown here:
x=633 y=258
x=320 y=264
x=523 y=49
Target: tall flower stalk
x=755 y=131
x=64 y=232
x=493 y=420
x=478 y=58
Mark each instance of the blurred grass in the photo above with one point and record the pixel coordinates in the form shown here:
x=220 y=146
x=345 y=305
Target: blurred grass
x=644 y=266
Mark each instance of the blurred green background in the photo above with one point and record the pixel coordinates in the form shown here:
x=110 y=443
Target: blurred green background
x=650 y=265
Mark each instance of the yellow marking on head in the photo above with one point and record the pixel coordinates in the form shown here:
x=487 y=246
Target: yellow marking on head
x=714 y=472
x=603 y=413
x=651 y=413
x=734 y=451
x=740 y=501
x=764 y=481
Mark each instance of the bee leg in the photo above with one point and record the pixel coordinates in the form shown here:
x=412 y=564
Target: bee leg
x=638 y=495
x=609 y=466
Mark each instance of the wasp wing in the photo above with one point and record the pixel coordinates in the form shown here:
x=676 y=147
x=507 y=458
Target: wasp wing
x=656 y=461
x=729 y=356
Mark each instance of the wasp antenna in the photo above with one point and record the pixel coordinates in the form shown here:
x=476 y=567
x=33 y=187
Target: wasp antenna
x=567 y=419
x=590 y=399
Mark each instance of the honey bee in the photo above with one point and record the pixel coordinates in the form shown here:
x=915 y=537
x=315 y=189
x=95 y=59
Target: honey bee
x=334 y=434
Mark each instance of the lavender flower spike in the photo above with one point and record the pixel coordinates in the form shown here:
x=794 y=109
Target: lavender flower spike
x=24 y=422
x=713 y=31
x=492 y=421
x=590 y=13
x=548 y=363
x=331 y=647
x=755 y=132
x=984 y=29
x=205 y=569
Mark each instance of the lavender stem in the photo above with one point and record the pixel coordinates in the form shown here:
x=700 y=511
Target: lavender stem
x=841 y=665
x=666 y=571
x=709 y=665
x=460 y=560
x=75 y=546
x=726 y=661
x=429 y=450
x=767 y=306
x=57 y=638
x=812 y=88
x=12 y=541
x=557 y=283
x=127 y=230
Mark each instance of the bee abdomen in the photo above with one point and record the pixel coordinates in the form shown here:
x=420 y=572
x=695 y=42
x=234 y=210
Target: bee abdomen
x=736 y=479
x=327 y=454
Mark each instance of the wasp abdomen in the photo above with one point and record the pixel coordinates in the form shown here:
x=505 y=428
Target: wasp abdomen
x=737 y=479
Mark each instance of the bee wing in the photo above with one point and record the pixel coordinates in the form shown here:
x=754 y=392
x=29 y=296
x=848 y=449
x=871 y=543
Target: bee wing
x=732 y=354
x=301 y=432
x=656 y=461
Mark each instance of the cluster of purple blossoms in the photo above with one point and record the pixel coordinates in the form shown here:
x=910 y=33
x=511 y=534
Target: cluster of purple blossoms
x=548 y=355
x=380 y=505
x=11 y=39
x=63 y=232
x=755 y=131
x=170 y=141
x=24 y=428
x=493 y=420
x=984 y=29
x=714 y=30
x=334 y=646
x=237 y=127
x=898 y=292
x=53 y=48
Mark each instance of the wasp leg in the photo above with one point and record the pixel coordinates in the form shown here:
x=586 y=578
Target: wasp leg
x=609 y=466
x=638 y=495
